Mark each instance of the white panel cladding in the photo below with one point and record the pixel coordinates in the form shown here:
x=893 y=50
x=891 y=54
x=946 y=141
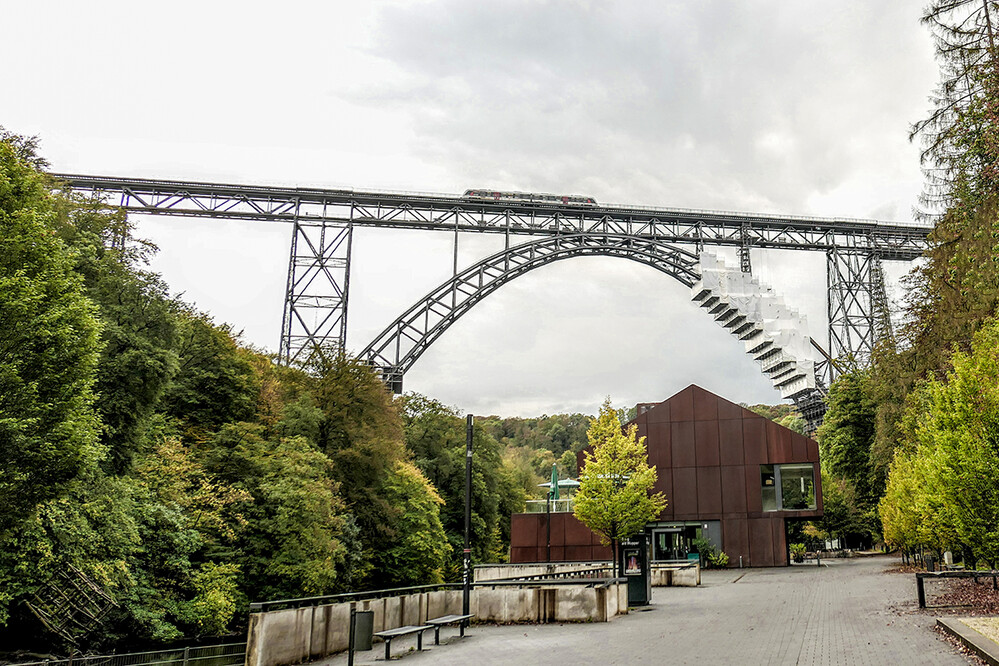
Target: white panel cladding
x=773 y=333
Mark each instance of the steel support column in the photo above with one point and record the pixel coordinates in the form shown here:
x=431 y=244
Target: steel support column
x=315 y=302
x=854 y=283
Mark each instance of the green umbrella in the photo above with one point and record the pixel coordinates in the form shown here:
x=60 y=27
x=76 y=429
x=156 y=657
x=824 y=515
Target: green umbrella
x=553 y=489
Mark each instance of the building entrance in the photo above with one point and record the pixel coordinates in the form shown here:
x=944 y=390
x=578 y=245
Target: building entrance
x=675 y=541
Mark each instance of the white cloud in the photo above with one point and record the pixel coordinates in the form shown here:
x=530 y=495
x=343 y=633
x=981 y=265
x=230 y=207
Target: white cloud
x=793 y=108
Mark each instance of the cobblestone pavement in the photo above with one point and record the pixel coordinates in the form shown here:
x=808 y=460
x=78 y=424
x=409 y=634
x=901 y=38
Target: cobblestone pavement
x=848 y=612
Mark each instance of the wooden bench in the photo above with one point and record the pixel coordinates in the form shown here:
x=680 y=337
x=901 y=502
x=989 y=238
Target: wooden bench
x=389 y=634
x=438 y=622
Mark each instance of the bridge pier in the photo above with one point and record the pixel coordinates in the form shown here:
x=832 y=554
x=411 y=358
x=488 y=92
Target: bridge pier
x=857 y=307
x=315 y=302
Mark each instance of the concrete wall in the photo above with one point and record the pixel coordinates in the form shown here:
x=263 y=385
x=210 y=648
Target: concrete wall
x=486 y=572
x=666 y=575
x=281 y=637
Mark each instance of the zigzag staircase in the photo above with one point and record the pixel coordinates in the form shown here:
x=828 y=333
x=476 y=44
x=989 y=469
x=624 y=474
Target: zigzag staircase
x=775 y=335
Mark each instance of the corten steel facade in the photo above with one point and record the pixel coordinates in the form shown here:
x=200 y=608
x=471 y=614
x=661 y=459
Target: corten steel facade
x=711 y=457
x=572 y=541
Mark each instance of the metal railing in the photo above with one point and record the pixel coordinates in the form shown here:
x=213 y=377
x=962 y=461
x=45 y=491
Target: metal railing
x=305 y=602
x=590 y=576
x=936 y=575
x=595 y=572
x=541 y=506
x=227 y=654
x=530 y=582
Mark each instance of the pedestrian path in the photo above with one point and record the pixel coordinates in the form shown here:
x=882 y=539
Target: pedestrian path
x=848 y=612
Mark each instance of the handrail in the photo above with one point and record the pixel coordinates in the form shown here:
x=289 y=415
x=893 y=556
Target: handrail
x=548 y=579
x=304 y=602
x=573 y=573
x=587 y=582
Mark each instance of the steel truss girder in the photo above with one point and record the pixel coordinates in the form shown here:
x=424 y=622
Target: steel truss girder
x=315 y=312
x=449 y=212
x=315 y=302
x=403 y=341
x=856 y=292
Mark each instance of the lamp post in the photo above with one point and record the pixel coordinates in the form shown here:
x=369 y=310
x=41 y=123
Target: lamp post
x=552 y=495
x=467 y=554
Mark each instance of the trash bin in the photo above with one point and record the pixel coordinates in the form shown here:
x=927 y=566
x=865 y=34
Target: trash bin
x=929 y=562
x=364 y=623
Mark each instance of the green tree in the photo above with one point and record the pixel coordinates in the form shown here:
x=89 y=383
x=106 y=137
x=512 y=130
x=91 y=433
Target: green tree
x=138 y=356
x=956 y=289
x=184 y=516
x=292 y=543
x=420 y=552
x=49 y=344
x=362 y=434
x=614 y=497
x=91 y=526
x=843 y=516
x=847 y=432
x=960 y=137
x=218 y=596
x=215 y=382
x=567 y=464
x=436 y=434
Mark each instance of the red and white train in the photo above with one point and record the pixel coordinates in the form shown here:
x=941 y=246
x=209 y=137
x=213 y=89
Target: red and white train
x=531 y=197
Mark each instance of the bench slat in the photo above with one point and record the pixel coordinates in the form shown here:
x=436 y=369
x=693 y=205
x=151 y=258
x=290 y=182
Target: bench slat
x=449 y=619
x=402 y=631
x=438 y=622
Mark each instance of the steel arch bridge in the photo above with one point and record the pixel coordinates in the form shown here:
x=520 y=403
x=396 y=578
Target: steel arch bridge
x=322 y=223
x=403 y=341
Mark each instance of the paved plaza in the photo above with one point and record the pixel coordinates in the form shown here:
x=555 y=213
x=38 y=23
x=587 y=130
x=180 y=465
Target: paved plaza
x=848 y=612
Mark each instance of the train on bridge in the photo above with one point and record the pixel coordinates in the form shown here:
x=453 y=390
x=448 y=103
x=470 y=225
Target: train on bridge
x=531 y=197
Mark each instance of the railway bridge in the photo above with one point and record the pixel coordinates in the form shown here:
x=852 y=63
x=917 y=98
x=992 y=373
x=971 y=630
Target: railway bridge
x=678 y=242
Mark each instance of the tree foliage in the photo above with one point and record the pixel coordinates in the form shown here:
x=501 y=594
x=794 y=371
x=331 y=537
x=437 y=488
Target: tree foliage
x=49 y=345
x=138 y=351
x=959 y=137
x=952 y=298
x=436 y=436
x=421 y=550
x=847 y=432
x=943 y=489
x=614 y=497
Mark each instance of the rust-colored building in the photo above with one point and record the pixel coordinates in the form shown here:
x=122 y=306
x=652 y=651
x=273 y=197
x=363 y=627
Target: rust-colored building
x=729 y=475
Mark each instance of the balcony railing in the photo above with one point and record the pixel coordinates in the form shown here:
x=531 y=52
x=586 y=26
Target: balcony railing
x=557 y=506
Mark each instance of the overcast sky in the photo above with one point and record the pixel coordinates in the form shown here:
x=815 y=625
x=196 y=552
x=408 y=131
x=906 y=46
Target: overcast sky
x=767 y=106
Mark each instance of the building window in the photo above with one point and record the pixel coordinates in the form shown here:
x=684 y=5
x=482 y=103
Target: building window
x=788 y=487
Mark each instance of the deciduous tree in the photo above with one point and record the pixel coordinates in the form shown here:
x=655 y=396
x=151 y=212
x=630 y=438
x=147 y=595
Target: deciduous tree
x=614 y=498
x=49 y=344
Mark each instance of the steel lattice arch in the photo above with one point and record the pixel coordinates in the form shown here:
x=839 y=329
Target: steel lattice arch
x=402 y=342
x=670 y=239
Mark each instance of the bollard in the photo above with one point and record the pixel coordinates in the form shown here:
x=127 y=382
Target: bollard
x=920 y=592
